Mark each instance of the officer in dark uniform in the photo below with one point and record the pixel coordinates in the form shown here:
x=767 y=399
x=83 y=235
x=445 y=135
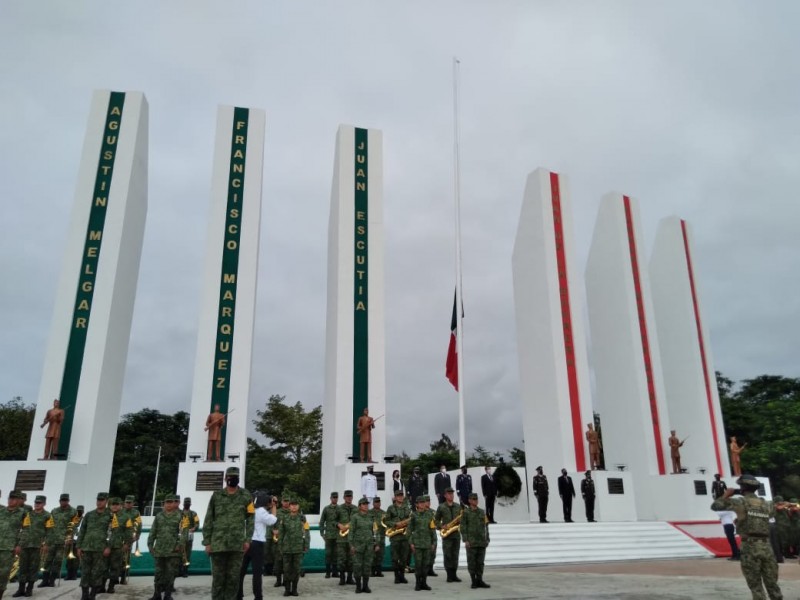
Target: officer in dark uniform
x=588 y=493
x=541 y=490
x=415 y=487
x=718 y=487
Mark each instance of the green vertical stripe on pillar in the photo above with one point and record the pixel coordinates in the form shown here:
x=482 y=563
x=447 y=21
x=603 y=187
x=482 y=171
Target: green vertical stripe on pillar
x=88 y=272
x=223 y=350
x=360 y=287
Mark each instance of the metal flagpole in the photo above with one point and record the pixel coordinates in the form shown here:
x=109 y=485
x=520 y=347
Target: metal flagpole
x=462 y=444
x=155 y=484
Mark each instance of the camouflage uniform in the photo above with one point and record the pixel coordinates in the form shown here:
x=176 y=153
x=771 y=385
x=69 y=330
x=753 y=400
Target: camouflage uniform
x=227 y=527
x=294 y=540
x=193 y=525
x=474 y=530
x=37 y=530
x=757 y=559
x=446 y=513
x=330 y=533
x=93 y=544
x=397 y=514
x=379 y=515
x=119 y=542
x=74 y=563
x=361 y=538
x=63 y=516
x=783 y=526
x=10 y=525
x=344 y=558
x=277 y=557
x=165 y=543
x=422 y=538
x=135 y=517
x=432 y=557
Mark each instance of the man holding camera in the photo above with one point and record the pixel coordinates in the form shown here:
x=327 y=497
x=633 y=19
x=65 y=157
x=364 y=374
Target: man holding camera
x=753 y=516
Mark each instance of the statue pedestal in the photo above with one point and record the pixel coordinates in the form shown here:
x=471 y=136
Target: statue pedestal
x=51 y=478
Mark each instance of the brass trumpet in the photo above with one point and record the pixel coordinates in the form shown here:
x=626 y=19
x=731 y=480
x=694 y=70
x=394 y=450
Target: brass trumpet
x=398 y=529
x=451 y=527
x=346 y=531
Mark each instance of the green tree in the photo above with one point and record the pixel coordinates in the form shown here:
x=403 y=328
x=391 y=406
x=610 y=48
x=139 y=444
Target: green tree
x=291 y=461
x=139 y=436
x=16 y=423
x=481 y=457
x=517 y=457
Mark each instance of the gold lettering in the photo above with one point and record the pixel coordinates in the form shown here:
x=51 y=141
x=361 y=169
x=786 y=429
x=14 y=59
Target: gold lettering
x=103 y=186
x=227 y=311
x=84 y=305
x=95 y=235
x=111 y=140
x=80 y=322
x=360 y=215
x=231 y=245
x=240 y=124
x=361 y=158
x=91 y=252
x=113 y=125
x=233 y=228
x=238 y=154
x=238 y=168
x=86 y=286
x=106 y=169
x=224 y=346
x=361 y=186
x=360 y=244
x=228 y=295
x=116 y=111
x=222 y=365
x=229 y=278
x=237 y=183
x=360 y=259
x=108 y=155
x=361 y=147
x=87 y=270
x=239 y=139
x=234 y=214
x=360 y=274
x=361 y=230
x=225 y=329
x=220 y=383
x=360 y=306
x=101 y=201
x=360 y=173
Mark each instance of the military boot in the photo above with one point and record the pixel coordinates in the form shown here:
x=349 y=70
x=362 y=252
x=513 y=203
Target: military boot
x=425 y=585
x=29 y=589
x=474 y=585
x=111 y=583
x=278 y=581
x=431 y=572
x=378 y=570
x=156 y=594
x=327 y=570
x=358 y=585
x=294 y=587
x=20 y=592
x=167 y=595
x=418 y=586
x=456 y=578
x=287 y=589
x=396 y=576
x=482 y=583
x=341 y=578
x=45 y=579
x=85 y=592
x=403 y=577
x=350 y=580
x=365 y=586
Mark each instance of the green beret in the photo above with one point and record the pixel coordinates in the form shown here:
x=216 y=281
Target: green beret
x=79 y=508
x=41 y=499
x=334 y=494
x=102 y=496
x=363 y=501
x=15 y=495
x=473 y=495
x=232 y=471
x=348 y=493
x=64 y=497
x=129 y=498
x=115 y=500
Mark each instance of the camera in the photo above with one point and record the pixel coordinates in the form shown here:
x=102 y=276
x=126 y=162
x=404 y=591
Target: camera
x=737 y=492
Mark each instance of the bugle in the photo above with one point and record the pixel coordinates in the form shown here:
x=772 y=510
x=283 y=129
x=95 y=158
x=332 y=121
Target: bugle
x=451 y=527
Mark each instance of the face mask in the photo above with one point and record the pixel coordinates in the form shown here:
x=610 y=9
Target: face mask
x=232 y=481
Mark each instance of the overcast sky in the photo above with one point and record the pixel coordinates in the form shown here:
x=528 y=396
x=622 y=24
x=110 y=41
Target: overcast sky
x=690 y=107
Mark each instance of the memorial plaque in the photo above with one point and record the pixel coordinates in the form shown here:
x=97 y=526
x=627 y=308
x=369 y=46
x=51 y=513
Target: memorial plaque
x=616 y=485
x=700 y=488
x=209 y=481
x=30 y=480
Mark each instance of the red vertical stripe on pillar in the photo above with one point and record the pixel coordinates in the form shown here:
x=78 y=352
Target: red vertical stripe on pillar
x=566 y=322
x=701 y=343
x=648 y=365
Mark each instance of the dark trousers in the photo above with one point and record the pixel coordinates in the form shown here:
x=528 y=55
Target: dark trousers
x=730 y=533
x=490 y=507
x=542 y=500
x=566 y=503
x=254 y=556
x=589 y=502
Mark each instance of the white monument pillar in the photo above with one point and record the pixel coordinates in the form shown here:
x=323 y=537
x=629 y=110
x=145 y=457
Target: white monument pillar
x=686 y=358
x=625 y=353
x=554 y=373
x=225 y=332
x=355 y=372
x=87 y=348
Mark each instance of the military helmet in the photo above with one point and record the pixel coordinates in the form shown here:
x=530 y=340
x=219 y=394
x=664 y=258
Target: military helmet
x=748 y=480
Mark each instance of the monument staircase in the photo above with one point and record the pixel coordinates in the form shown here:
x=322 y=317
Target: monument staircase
x=521 y=544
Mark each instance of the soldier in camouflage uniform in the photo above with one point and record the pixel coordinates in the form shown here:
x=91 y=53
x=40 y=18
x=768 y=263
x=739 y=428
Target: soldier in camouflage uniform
x=474 y=530
x=227 y=531
x=422 y=540
x=11 y=518
x=119 y=543
x=753 y=514
x=36 y=536
x=783 y=526
x=93 y=547
x=379 y=516
x=397 y=518
x=446 y=513
x=294 y=540
x=277 y=567
x=135 y=517
x=361 y=538
x=74 y=563
x=166 y=543
x=432 y=557
x=194 y=525
x=63 y=516
x=344 y=558
x=330 y=532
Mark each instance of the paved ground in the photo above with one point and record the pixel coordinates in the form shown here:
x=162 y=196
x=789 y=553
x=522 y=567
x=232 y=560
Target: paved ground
x=703 y=579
